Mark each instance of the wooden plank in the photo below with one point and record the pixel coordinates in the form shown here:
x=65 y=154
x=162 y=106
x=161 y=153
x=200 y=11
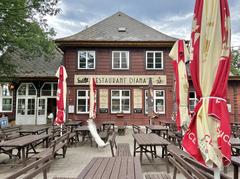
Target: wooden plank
x=116 y=168
x=108 y=170
x=137 y=168
x=101 y=169
x=87 y=168
x=130 y=168
x=94 y=168
x=123 y=168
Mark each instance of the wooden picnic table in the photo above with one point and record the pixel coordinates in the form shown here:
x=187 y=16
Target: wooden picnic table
x=26 y=143
x=152 y=141
x=167 y=123
x=108 y=123
x=34 y=130
x=84 y=131
x=157 y=129
x=112 y=167
x=235 y=141
x=236 y=164
x=73 y=124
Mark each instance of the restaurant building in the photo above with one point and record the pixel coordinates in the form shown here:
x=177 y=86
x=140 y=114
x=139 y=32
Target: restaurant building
x=122 y=54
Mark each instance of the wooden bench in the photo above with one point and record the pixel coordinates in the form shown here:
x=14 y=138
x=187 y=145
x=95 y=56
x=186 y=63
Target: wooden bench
x=121 y=149
x=162 y=175
x=136 y=129
x=9 y=152
x=208 y=172
x=57 y=144
x=33 y=169
x=8 y=133
x=235 y=150
x=105 y=134
x=180 y=165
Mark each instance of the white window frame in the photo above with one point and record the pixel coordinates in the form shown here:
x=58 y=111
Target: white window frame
x=5 y=97
x=27 y=97
x=120 y=56
x=120 y=97
x=154 y=103
x=154 y=60
x=86 y=97
x=52 y=89
x=87 y=51
x=193 y=99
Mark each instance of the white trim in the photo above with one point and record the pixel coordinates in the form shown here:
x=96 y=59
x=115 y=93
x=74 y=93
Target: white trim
x=120 y=57
x=120 y=97
x=5 y=97
x=94 y=56
x=52 y=89
x=86 y=97
x=154 y=99
x=164 y=101
x=154 y=60
x=192 y=99
x=26 y=97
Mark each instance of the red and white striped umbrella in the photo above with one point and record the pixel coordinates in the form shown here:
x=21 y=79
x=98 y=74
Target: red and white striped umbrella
x=61 y=95
x=93 y=96
x=208 y=137
x=180 y=54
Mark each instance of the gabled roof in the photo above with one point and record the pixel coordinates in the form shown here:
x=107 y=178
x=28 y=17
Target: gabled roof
x=119 y=27
x=29 y=68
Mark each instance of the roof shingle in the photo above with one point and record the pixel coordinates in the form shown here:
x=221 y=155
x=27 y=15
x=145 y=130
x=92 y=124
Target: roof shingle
x=108 y=30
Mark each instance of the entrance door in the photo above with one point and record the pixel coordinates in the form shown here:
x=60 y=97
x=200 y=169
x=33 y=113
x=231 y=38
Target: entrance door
x=42 y=111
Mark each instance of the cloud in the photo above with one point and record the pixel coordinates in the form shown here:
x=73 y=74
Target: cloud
x=171 y=17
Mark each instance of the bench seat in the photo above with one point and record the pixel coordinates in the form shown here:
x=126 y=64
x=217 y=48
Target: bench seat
x=123 y=150
x=161 y=175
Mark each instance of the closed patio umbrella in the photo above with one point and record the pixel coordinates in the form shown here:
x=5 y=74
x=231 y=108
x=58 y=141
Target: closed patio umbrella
x=61 y=95
x=92 y=113
x=180 y=54
x=150 y=101
x=208 y=137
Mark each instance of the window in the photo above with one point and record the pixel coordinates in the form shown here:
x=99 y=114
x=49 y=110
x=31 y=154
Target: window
x=49 y=89
x=120 y=101
x=154 y=60
x=26 y=99
x=6 y=98
x=86 y=59
x=82 y=101
x=120 y=60
x=192 y=100
x=159 y=102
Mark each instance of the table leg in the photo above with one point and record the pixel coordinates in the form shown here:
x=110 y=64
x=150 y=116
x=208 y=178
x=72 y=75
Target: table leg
x=134 y=148
x=141 y=152
x=23 y=156
x=235 y=172
x=166 y=158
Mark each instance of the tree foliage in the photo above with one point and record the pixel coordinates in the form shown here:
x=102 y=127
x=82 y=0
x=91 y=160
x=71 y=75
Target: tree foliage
x=235 y=65
x=24 y=26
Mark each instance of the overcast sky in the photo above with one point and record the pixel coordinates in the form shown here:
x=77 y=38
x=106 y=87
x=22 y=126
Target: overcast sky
x=172 y=17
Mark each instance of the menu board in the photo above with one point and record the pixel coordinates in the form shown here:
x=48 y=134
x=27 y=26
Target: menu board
x=137 y=100
x=103 y=100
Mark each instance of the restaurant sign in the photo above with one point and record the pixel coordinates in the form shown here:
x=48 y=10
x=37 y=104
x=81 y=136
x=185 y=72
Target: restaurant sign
x=121 y=79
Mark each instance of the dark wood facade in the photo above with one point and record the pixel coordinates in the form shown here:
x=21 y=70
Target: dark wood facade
x=137 y=66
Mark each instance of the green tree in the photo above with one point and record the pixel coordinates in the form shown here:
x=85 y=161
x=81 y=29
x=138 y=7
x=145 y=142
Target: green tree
x=235 y=65
x=24 y=26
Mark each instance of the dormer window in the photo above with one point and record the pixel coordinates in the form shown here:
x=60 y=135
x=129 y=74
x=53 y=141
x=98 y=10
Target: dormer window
x=122 y=29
